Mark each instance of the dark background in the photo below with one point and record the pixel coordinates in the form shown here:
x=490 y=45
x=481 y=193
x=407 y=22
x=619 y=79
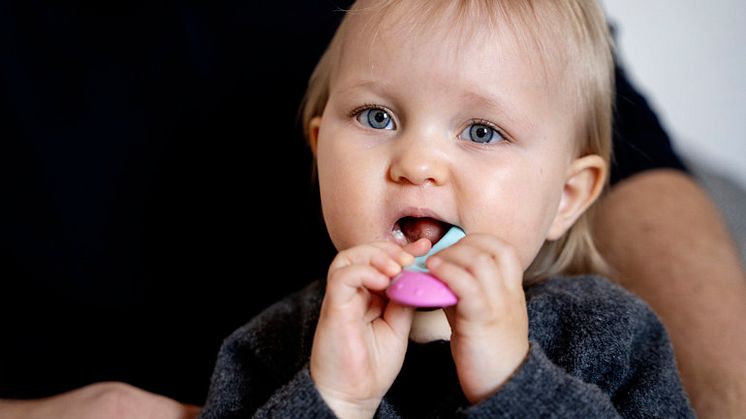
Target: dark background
x=145 y=148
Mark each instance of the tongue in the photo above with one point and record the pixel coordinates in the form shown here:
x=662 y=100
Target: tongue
x=417 y=228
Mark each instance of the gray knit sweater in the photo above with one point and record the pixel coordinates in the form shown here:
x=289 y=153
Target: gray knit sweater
x=596 y=352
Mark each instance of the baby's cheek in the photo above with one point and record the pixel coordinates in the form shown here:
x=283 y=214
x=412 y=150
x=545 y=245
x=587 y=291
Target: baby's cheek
x=524 y=239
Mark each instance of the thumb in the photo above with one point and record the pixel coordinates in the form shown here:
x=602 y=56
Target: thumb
x=399 y=318
x=418 y=248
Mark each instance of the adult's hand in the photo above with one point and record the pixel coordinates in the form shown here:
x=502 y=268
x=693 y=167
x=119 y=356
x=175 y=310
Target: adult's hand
x=109 y=400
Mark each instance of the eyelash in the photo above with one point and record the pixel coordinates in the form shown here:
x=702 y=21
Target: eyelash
x=494 y=127
x=362 y=108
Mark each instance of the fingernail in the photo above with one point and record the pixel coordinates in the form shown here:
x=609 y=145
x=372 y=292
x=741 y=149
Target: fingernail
x=434 y=261
x=394 y=267
x=405 y=258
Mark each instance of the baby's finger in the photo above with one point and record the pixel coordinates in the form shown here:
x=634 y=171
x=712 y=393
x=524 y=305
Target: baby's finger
x=346 y=284
x=384 y=258
x=506 y=259
x=482 y=264
x=400 y=255
x=462 y=282
x=399 y=318
x=418 y=248
x=474 y=297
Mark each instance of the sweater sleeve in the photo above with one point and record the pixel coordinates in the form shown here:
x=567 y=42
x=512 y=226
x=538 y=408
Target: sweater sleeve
x=296 y=399
x=262 y=368
x=542 y=389
x=244 y=388
x=627 y=368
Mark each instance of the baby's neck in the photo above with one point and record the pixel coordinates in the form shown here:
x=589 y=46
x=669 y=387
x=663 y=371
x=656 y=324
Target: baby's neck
x=429 y=326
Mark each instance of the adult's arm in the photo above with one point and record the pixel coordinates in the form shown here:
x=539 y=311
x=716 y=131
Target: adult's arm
x=101 y=400
x=667 y=243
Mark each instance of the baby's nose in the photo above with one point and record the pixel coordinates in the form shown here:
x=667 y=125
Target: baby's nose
x=419 y=162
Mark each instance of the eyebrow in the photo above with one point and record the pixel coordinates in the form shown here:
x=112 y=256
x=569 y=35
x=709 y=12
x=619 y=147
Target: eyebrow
x=486 y=100
x=469 y=95
x=375 y=85
x=494 y=104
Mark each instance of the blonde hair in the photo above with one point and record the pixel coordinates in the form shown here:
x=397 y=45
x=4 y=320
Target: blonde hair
x=572 y=37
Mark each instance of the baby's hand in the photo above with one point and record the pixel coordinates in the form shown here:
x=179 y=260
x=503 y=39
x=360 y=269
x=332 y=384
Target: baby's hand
x=489 y=323
x=361 y=339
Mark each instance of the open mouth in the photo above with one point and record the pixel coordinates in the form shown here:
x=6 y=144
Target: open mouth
x=411 y=229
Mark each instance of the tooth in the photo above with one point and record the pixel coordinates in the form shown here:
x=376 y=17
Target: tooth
x=398 y=234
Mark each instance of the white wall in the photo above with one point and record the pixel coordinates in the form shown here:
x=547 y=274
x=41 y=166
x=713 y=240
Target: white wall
x=689 y=58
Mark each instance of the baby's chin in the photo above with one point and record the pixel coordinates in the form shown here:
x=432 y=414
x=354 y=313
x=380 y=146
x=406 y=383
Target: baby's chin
x=429 y=326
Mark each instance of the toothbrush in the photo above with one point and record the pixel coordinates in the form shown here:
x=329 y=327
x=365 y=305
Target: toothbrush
x=414 y=286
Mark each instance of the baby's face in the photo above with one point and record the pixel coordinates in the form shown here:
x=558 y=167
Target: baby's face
x=427 y=129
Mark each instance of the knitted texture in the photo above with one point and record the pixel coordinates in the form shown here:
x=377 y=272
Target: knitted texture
x=596 y=351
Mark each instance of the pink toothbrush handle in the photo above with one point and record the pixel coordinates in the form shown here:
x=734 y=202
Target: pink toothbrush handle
x=419 y=289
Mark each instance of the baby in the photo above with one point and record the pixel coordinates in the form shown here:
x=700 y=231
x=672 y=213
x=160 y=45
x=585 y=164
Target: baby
x=495 y=117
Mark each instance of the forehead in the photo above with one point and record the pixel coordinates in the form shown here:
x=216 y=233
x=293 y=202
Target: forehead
x=451 y=41
x=439 y=52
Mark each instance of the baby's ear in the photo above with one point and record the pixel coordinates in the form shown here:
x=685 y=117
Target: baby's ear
x=313 y=133
x=584 y=182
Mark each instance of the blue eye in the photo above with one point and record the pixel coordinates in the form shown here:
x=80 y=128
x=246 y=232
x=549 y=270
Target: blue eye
x=481 y=133
x=376 y=118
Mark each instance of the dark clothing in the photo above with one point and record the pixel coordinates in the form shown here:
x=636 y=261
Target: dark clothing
x=596 y=351
x=142 y=146
x=130 y=136
x=639 y=140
